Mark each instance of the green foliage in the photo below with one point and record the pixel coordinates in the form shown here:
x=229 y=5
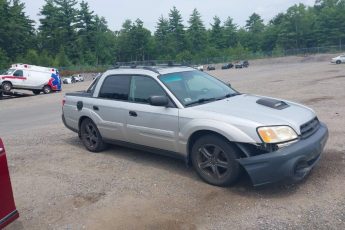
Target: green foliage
x=176 y=31
x=217 y=34
x=238 y=52
x=278 y=51
x=184 y=56
x=161 y=37
x=4 y=61
x=61 y=58
x=31 y=57
x=71 y=34
x=230 y=33
x=16 y=29
x=196 y=32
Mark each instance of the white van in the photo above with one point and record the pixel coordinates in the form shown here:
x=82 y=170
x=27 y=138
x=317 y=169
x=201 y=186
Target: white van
x=30 y=77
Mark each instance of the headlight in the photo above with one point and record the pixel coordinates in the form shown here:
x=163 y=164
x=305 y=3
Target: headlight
x=277 y=134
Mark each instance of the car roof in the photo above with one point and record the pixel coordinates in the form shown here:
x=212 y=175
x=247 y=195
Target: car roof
x=153 y=71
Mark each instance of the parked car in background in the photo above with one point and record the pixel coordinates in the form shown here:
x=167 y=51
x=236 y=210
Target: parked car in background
x=227 y=66
x=67 y=80
x=211 y=67
x=338 y=60
x=30 y=77
x=200 y=67
x=238 y=65
x=241 y=64
x=191 y=115
x=8 y=210
x=78 y=78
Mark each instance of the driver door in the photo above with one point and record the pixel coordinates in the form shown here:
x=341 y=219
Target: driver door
x=153 y=126
x=18 y=78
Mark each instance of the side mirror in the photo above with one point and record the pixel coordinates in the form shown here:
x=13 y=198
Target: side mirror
x=228 y=84
x=159 y=100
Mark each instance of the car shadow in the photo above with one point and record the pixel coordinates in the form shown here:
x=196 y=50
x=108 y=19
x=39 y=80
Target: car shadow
x=243 y=187
x=145 y=158
x=14 y=96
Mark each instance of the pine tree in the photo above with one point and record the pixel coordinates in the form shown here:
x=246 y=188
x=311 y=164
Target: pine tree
x=16 y=29
x=217 y=39
x=162 y=38
x=230 y=33
x=176 y=29
x=196 y=32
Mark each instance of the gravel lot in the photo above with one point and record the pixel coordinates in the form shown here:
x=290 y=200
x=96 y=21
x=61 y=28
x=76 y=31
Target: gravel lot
x=59 y=185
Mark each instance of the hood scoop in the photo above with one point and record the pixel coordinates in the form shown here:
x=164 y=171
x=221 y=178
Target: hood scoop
x=272 y=103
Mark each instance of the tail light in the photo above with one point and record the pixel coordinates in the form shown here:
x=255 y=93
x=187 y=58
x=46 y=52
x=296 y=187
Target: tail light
x=2 y=148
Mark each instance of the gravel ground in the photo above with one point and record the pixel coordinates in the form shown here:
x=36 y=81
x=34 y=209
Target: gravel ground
x=59 y=185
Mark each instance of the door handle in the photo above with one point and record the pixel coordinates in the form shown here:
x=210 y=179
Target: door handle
x=95 y=108
x=133 y=114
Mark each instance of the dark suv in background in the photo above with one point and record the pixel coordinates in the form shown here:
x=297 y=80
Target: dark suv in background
x=242 y=64
x=228 y=66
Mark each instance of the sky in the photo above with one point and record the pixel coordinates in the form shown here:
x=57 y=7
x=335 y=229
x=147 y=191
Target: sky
x=116 y=12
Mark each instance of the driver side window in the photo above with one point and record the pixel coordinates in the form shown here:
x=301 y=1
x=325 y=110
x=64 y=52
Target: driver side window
x=142 y=88
x=18 y=73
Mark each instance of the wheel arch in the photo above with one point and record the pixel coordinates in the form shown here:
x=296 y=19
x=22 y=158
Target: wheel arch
x=204 y=132
x=81 y=119
x=47 y=85
x=6 y=81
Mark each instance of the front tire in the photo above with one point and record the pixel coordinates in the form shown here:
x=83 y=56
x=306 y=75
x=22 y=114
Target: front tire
x=91 y=137
x=6 y=86
x=214 y=160
x=338 y=62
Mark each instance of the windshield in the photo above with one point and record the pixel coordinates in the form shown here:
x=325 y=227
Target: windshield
x=9 y=72
x=196 y=87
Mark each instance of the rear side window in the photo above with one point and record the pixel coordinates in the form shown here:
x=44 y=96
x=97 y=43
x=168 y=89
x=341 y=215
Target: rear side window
x=115 y=87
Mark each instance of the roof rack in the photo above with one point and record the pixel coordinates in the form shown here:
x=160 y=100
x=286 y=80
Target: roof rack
x=147 y=65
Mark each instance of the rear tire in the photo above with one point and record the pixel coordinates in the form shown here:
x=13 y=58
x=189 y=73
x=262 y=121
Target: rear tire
x=6 y=86
x=47 y=89
x=91 y=137
x=36 y=92
x=215 y=160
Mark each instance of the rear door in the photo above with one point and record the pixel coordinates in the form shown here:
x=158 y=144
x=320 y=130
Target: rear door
x=111 y=107
x=8 y=212
x=153 y=126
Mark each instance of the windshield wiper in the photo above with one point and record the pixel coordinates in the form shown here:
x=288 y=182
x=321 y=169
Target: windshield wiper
x=229 y=95
x=201 y=100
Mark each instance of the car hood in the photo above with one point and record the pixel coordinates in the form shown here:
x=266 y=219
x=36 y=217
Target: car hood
x=246 y=107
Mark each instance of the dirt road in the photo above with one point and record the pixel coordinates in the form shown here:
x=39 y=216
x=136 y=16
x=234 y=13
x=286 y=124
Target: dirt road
x=59 y=185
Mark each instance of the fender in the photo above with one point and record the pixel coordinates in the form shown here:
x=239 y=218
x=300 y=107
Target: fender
x=225 y=129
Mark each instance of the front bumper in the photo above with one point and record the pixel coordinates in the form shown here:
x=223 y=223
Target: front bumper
x=292 y=163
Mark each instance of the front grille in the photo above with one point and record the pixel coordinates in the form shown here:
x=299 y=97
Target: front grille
x=309 y=128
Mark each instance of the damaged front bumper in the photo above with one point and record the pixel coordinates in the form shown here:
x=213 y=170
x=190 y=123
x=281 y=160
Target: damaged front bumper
x=292 y=163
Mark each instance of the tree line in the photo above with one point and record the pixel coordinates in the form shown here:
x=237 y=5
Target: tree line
x=70 y=33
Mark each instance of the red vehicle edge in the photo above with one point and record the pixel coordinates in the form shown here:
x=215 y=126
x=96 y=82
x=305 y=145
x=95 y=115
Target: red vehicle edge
x=8 y=211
